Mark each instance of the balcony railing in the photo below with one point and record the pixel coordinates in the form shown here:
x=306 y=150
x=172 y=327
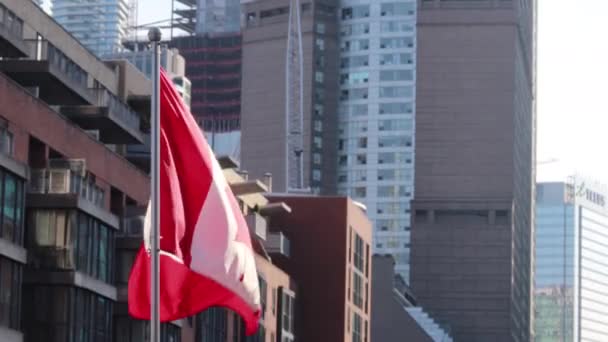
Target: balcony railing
x=42 y=50
x=117 y=108
x=63 y=181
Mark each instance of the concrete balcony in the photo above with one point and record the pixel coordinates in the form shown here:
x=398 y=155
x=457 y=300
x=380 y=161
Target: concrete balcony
x=59 y=80
x=57 y=188
x=116 y=122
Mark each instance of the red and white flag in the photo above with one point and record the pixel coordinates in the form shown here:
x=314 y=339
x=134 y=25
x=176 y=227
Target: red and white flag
x=206 y=255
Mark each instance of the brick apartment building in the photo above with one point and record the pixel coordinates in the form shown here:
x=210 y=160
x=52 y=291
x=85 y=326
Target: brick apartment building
x=72 y=197
x=330 y=260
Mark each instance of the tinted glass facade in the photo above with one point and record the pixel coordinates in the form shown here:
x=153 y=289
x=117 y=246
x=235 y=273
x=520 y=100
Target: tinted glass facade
x=71 y=240
x=12 y=190
x=571 y=262
x=62 y=314
x=10 y=293
x=100 y=25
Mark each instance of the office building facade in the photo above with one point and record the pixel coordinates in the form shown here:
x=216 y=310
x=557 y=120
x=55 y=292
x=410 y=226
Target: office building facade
x=100 y=25
x=472 y=228
x=263 y=116
x=376 y=117
x=170 y=60
x=570 y=278
x=213 y=66
x=331 y=263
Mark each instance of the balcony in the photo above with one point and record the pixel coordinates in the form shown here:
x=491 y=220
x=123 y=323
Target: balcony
x=65 y=188
x=115 y=121
x=12 y=44
x=60 y=81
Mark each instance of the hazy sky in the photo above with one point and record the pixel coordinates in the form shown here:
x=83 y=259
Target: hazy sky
x=572 y=85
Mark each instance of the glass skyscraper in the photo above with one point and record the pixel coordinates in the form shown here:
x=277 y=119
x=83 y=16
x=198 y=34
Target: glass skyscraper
x=571 y=278
x=100 y=25
x=376 y=113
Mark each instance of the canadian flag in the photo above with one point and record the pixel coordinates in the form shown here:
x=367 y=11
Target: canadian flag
x=206 y=256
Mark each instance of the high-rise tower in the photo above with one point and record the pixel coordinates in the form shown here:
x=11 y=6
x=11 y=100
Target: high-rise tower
x=377 y=115
x=472 y=226
x=100 y=25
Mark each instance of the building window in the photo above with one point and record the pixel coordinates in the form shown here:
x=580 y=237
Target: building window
x=358 y=255
x=318 y=142
x=263 y=295
x=396 y=108
x=355 y=12
x=10 y=293
x=360 y=192
x=213 y=324
x=397 y=9
x=316 y=158
x=6 y=141
x=318 y=125
x=128 y=329
x=400 y=92
x=69 y=240
x=396 y=75
x=58 y=313
x=319 y=76
x=357 y=290
x=320 y=28
x=396 y=43
x=287 y=316
x=12 y=193
x=316 y=175
x=356 y=327
x=361 y=159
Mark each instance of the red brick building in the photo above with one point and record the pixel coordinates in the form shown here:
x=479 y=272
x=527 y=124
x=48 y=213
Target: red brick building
x=329 y=258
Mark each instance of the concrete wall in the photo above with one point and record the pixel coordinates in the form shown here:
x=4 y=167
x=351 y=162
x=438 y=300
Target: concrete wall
x=390 y=321
x=472 y=208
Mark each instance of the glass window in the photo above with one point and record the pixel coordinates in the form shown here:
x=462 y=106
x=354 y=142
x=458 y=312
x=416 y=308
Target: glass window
x=395 y=141
x=355 y=12
x=316 y=175
x=356 y=327
x=396 y=75
x=396 y=43
x=389 y=92
x=11 y=189
x=357 y=290
x=396 y=108
x=10 y=293
x=358 y=253
x=70 y=240
x=396 y=26
x=397 y=9
x=396 y=59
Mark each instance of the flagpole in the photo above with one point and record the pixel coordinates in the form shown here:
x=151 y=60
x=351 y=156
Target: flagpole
x=154 y=35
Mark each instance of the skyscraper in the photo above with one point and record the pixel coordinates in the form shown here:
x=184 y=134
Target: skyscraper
x=472 y=228
x=100 y=25
x=376 y=117
x=571 y=285
x=264 y=95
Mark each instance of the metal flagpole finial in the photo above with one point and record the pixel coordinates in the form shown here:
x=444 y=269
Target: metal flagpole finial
x=155 y=35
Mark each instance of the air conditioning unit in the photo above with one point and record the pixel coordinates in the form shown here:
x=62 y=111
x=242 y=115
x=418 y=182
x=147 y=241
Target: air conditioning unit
x=277 y=243
x=77 y=166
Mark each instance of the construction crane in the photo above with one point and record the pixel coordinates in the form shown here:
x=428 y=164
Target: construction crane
x=294 y=100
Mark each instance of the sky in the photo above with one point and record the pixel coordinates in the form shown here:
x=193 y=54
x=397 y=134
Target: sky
x=572 y=91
